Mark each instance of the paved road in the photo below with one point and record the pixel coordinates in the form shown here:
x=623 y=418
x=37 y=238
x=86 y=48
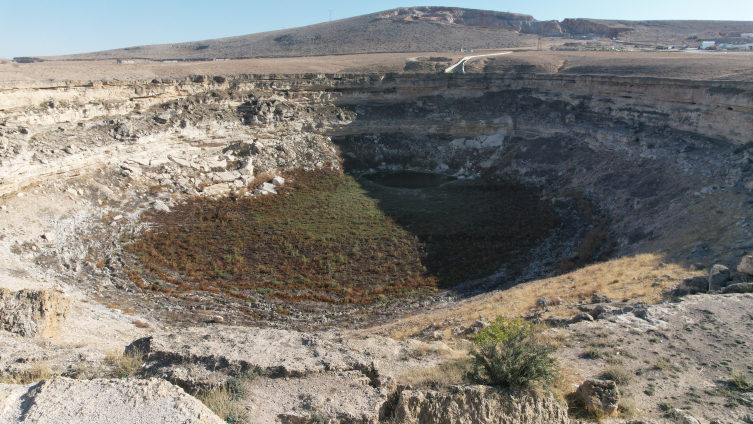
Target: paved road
x=459 y=68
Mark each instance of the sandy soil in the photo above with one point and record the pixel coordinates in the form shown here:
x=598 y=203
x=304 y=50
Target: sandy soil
x=96 y=70
x=690 y=64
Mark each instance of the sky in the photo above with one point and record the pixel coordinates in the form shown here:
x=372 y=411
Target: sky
x=56 y=27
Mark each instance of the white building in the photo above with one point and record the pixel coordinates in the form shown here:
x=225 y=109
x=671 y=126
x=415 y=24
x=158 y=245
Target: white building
x=747 y=35
x=706 y=44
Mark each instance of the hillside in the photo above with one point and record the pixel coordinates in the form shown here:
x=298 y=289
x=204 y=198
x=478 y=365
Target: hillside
x=419 y=29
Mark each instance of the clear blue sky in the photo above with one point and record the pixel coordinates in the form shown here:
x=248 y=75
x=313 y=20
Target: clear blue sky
x=53 y=27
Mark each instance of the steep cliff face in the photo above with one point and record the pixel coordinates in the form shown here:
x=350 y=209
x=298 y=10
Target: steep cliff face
x=626 y=142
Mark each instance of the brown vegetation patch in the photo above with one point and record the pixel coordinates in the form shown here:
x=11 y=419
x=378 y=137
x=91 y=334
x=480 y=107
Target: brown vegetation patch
x=327 y=237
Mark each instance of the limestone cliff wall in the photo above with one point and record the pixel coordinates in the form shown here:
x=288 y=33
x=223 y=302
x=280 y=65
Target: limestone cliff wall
x=722 y=110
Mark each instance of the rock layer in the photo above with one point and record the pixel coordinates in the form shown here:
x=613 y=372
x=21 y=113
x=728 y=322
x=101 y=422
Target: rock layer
x=478 y=405
x=33 y=312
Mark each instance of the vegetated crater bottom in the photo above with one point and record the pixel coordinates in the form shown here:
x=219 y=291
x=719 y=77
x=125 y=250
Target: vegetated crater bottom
x=336 y=240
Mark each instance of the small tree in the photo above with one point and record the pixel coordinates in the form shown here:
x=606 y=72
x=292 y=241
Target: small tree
x=508 y=354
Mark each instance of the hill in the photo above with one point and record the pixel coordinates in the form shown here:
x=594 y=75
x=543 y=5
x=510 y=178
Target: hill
x=418 y=29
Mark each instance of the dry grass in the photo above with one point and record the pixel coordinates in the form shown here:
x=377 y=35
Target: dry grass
x=627 y=278
x=125 y=364
x=223 y=402
x=38 y=371
x=449 y=373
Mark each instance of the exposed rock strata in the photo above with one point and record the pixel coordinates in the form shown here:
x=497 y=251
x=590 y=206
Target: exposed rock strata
x=478 y=405
x=33 y=312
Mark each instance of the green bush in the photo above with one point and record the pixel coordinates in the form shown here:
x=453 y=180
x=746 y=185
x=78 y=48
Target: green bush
x=508 y=354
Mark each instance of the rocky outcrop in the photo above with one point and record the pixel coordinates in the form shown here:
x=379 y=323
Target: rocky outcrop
x=599 y=397
x=33 y=312
x=63 y=400
x=192 y=355
x=746 y=265
x=478 y=405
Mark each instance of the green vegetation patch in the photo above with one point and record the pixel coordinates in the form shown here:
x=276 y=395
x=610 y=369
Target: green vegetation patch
x=332 y=238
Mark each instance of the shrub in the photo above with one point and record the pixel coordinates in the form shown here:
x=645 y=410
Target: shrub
x=449 y=373
x=740 y=382
x=125 y=364
x=508 y=354
x=224 y=402
x=593 y=352
x=38 y=371
x=617 y=374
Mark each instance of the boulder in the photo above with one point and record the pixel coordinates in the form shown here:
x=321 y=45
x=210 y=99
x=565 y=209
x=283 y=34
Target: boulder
x=160 y=206
x=718 y=277
x=220 y=163
x=581 y=317
x=278 y=181
x=544 y=302
x=458 y=142
x=478 y=405
x=226 y=176
x=746 y=265
x=738 y=288
x=600 y=298
x=268 y=187
x=599 y=396
x=49 y=236
x=472 y=144
x=64 y=400
x=493 y=141
x=216 y=190
x=33 y=312
x=700 y=249
x=699 y=284
x=247 y=168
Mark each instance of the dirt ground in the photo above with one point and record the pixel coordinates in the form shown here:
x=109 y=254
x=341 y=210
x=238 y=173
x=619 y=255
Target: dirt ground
x=689 y=64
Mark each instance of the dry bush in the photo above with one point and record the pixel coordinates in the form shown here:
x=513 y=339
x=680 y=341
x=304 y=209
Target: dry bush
x=449 y=373
x=38 y=371
x=125 y=364
x=225 y=403
x=617 y=374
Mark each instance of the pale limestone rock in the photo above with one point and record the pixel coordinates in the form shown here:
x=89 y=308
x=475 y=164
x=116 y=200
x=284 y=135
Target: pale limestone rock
x=33 y=312
x=160 y=206
x=478 y=405
x=458 y=142
x=746 y=265
x=65 y=400
x=493 y=141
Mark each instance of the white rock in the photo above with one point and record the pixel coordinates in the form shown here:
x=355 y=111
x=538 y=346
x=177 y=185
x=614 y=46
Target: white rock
x=216 y=190
x=485 y=164
x=278 y=181
x=270 y=188
x=225 y=176
x=158 y=161
x=161 y=206
x=217 y=163
x=239 y=183
x=127 y=400
x=472 y=144
x=247 y=168
x=443 y=166
x=493 y=141
x=458 y=142
x=180 y=161
x=49 y=236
